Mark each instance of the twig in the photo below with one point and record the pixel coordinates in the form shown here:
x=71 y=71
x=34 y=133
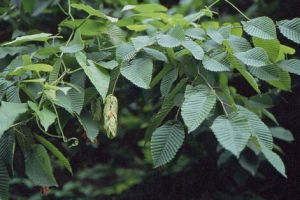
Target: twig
x=227 y=1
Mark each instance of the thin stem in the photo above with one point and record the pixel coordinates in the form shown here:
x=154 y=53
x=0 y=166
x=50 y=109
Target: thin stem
x=75 y=70
x=69 y=10
x=60 y=7
x=59 y=124
x=45 y=132
x=115 y=83
x=227 y=1
x=214 y=3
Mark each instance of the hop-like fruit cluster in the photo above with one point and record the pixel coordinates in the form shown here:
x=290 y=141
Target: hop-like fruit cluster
x=110 y=115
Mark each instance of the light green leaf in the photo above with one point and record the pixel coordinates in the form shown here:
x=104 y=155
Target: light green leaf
x=256 y=57
x=137 y=27
x=290 y=29
x=46 y=116
x=38 y=166
x=139 y=72
x=292 y=66
x=266 y=73
x=98 y=76
x=155 y=54
x=272 y=47
x=165 y=142
x=90 y=126
x=239 y=44
x=284 y=82
x=218 y=63
x=19 y=71
x=198 y=103
x=173 y=38
x=194 y=48
x=9 y=112
x=261 y=27
x=148 y=8
x=232 y=133
x=115 y=34
x=75 y=45
x=41 y=37
x=91 y=11
x=274 y=160
x=258 y=128
x=141 y=42
x=125 y=52
x=62 y=159
x=195 y=33
x=282 y=134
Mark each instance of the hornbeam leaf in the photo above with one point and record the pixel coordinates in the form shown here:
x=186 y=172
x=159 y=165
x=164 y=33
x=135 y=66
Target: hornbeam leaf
x=232 y=133
x=261 y=27
x=165 y=142
x=198 y=103
x=290 y=29
x=256 y=57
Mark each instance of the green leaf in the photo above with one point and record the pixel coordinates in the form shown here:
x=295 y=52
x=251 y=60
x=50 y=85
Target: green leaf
x=173 y=38
x=218 y=63
x=166 y=107
x=239 y=44
x=115 y=34
x=198 y=103
x=195 y=33
x=250 y=162
x=215 y=35
x=165 y=142
x=194 y=48
x=284 y=82
x=272 y=47
x=91 y=127
x=19 y=71
x=290 y=29
x=87 y=27
x=141 y=42
x=139 y=72
x=256 y=57
x=125 y=52
x=274 y=160
x=148 y=8
x=98 y=76
x=4 y=182
x=292 y=66
x=167 y=81
x=62 y=159
x=108 y=65
x=38 y=166
x=91 y=11
x=266 y=73
x=155 y=54
x=41 y=37
x=12 y=94
x=46 y=116
x=75 y=45
x=137 y=27
x=64 y=101
x=237 y=65
x=54 y=73
x=261 y=27
x=258 y=128
x=282 y=134
x=260 y=101
x=232 y=133
x=9 y=112
x=7 y=151
x=77 y=94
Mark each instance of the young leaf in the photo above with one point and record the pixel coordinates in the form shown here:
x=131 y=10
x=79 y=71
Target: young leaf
x=198 y=103
x=62 y=159
x=91 y=11
x=261 y=27
x=148 y=8
x=42 y=37
x=139 y=72
x=165 y=142
x=38 y=166
x=46 y=116
x=272 y=47
x=232 y=133
x=290 y=29
x=9 y=112
x=98 y=76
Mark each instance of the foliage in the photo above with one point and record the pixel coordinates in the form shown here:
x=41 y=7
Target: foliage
x=51 y=82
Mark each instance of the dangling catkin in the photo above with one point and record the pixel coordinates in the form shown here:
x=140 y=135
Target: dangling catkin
x=110 y=115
